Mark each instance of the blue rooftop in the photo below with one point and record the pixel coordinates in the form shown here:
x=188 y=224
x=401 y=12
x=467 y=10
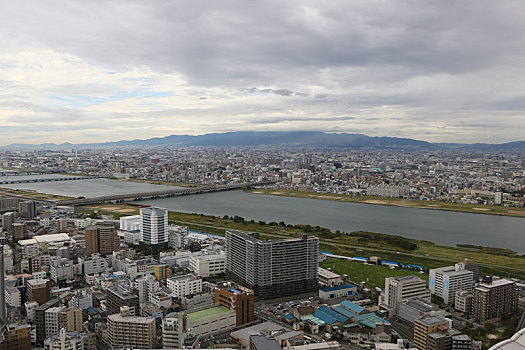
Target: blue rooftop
x=390 y=262
x=344 y=311
x=329 y=316
x=344 y=286
x=353 y=307
x=370 y=320
x=360 y=258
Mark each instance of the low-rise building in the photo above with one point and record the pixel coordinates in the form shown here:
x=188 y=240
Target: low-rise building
x=464 y=302
x=412 y=309
x=208 y=265
x=180 y=286
x=202 y=323
x=337 y=291
x=329 y=278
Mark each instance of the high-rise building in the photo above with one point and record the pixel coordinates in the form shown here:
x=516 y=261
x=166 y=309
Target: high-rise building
x=119 y=296
x=19 y=231
x=40 y=319
x=154 y=226
x=128 y=331
x=431 y=333
x=402 y=288
x=62 y=224
x=161 y=272
x=39 y=290
x=91 y=235
x=8 y=202
x=102 y=239
x=446 y=281
x=55 y=320
x=147 y=285
x=27 y=209
x=493 y=298
x=272 y=268
x=7 y=221
x=237 y=298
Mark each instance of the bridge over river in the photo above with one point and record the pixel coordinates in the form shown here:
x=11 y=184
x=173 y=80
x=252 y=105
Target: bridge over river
x=120 y=198
x=47 y=179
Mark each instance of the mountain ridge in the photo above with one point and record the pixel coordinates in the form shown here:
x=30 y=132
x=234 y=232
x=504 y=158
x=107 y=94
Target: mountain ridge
x=316 y=139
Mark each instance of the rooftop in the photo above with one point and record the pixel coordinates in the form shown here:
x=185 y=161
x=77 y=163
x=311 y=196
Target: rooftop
x=245 y=333
x=329 y=316
x=211 y=312
x=51 y=238
x=495 y=283
x=327 y=273
x=353 y=307
x=262 y=342
x=130 y=319
x=344 y=286
x=431 y=321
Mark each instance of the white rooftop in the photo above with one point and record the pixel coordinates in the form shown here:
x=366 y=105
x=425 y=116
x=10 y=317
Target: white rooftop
x=52 y=238
x=327 y=273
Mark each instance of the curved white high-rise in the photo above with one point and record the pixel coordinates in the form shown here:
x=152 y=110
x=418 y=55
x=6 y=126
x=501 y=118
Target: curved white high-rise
x=154 y=226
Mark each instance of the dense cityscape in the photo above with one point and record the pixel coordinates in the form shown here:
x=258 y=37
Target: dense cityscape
x=262 y=175
x=448 y=176
x=127 y=275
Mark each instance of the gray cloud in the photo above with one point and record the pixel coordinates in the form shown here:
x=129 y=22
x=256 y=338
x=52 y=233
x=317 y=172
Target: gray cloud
x=298 y=119
x=413 y=67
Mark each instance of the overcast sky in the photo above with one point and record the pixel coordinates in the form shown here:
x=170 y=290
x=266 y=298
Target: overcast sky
x=91 y=71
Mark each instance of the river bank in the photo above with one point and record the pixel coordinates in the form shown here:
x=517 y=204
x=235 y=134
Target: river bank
x=398 y=202
x=502 y=262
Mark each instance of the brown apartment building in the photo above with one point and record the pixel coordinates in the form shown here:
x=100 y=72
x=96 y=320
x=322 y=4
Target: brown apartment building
x=238 y=298
x=102 y=239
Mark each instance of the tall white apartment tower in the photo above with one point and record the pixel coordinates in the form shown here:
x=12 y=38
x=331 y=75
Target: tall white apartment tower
x=446 y=281
x=154 y=226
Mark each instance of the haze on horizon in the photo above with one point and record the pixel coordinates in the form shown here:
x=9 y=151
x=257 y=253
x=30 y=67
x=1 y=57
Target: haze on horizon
x=95 y=71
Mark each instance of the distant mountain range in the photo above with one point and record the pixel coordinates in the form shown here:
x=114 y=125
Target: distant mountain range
x=309 y=139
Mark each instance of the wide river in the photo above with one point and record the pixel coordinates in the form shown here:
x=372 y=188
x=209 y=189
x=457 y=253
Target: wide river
x=443 y=227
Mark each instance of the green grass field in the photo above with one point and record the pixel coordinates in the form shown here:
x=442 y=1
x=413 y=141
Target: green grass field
x=372 y=275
